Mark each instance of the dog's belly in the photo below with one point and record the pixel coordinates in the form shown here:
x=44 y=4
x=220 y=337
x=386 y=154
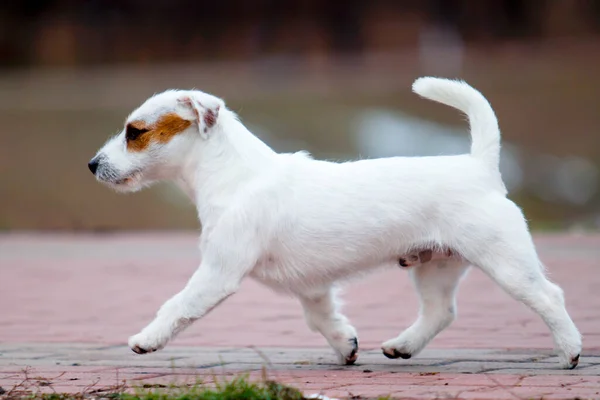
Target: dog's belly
x=296 y=275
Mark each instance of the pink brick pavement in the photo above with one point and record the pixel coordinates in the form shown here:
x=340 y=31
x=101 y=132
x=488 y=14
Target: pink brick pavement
x=68 y=289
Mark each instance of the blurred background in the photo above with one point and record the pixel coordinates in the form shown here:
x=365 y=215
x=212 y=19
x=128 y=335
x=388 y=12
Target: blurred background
x=330 y=77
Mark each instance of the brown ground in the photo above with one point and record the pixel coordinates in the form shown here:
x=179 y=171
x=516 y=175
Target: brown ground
x=52 y=122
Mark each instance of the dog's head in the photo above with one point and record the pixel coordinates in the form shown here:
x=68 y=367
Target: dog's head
x=156 y=139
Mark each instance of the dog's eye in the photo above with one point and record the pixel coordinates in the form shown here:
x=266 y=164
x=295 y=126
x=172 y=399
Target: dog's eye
x=133 y=133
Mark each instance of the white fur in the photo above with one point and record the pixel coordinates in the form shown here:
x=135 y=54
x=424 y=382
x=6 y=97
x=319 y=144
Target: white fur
x=300 y=225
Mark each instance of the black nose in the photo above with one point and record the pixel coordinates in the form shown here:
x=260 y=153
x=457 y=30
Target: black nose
x=93 y=165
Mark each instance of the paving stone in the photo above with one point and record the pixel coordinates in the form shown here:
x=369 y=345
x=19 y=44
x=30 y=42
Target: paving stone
x=73 y=300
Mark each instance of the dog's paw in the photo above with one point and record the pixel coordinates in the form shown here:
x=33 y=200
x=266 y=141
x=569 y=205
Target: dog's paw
x=399 y=348
x=348 y=354
x=395 y=353
x=570 y=351
x=569 y=362
x=344 y=341
x=573 y=361
x=142 y=344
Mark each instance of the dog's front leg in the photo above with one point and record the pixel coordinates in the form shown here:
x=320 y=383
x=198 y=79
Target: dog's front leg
x=321 y=309
x=209 y=286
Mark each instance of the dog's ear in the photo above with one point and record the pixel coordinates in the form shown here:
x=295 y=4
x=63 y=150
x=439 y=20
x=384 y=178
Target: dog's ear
x=205 y=109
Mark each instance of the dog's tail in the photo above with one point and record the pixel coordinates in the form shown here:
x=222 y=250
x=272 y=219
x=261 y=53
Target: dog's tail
x=485 y=134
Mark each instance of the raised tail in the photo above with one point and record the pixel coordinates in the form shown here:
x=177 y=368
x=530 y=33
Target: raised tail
x=485 y=134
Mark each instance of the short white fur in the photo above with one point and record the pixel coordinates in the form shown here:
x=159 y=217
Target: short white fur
x=301 y=225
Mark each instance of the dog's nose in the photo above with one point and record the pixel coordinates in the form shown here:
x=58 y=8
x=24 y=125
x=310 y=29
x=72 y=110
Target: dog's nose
x=93 y=165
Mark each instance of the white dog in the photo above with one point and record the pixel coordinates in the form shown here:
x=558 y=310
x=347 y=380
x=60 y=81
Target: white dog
x=300 y=225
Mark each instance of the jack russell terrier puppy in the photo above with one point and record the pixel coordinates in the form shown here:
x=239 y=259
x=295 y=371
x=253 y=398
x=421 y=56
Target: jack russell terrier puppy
x=300 y=225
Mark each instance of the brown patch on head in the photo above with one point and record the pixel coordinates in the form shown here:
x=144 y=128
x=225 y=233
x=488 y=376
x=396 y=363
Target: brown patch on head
x=162 y=131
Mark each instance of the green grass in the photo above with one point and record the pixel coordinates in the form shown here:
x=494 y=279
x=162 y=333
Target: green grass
x=238 y=388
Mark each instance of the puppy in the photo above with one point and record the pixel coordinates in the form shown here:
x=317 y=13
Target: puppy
x=300 y=225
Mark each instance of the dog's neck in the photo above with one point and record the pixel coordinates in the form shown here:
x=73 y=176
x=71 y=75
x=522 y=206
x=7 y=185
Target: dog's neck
x=218 y=167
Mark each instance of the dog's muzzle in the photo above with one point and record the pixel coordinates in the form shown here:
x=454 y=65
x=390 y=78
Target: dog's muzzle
x=104 y=172
x=93 y=165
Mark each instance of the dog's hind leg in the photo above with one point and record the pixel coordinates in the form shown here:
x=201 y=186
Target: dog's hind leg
x=321 y=310
x=436 y=283
x=510 y=259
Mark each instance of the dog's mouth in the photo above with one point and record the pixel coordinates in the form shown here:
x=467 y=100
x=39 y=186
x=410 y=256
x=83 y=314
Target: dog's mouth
x=128 y=180
x=112 y=178
x=124 y=181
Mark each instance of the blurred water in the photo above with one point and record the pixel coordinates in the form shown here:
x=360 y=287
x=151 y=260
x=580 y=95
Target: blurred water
x=384 y=133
